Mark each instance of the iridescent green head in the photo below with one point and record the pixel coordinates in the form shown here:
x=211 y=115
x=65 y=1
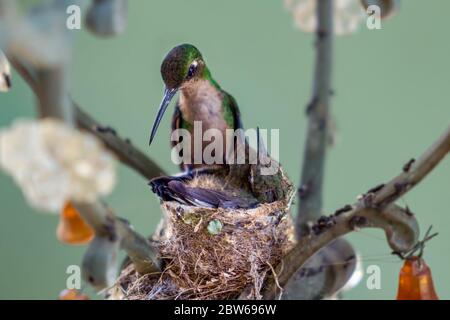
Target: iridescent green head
x=181 y=66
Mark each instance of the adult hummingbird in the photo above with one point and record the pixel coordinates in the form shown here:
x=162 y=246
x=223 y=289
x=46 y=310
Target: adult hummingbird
x=201 y=98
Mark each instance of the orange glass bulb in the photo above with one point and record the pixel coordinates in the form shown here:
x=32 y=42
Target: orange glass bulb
x=72 y=294
x=72 y=229
x=415 y=281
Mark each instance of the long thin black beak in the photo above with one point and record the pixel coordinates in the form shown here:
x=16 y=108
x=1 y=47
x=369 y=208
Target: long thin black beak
x=168 y=95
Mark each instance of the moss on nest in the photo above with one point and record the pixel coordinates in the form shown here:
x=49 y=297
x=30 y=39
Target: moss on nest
x=213 y=253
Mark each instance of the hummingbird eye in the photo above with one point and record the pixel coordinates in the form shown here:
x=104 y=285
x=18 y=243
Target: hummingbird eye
x=192 y=70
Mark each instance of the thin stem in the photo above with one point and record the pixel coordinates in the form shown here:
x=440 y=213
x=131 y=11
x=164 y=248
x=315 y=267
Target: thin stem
x=311 y=185
x=143 y=255
x=414 y=171
x=400 y=227
x=375 y=209
x=122 y=148
x=52 y=86
x=310 y=192
x=140 y=251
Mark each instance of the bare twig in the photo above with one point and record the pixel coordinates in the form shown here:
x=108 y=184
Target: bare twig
x=52 y=87
x=106 y=225
x=415 y=172
x=400 y=228
x=375 y=209
x=107 y=17
x=144 y=257
x=310 y=191
x=122 y=148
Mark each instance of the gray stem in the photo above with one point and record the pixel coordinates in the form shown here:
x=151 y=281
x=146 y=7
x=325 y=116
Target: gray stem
x=310 y=191
x=375 y=209
x=143 y=255
x=122 y=148
x=414 y=171
x=400 y=226
x=104 y=222
x=52 y=94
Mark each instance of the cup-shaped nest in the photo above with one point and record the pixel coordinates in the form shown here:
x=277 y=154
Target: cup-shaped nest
x=214 y=253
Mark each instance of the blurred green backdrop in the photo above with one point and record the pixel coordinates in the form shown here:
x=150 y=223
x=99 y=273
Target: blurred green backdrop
x=392 y=100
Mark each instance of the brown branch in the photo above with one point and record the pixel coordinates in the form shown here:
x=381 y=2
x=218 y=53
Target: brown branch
x=122 y=148
x=143 y=255
x=400 y=227
x=414 y=171
x=107 y=226
x=375 y=209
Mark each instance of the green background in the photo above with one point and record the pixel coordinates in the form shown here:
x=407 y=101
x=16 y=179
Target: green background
x=392 y=101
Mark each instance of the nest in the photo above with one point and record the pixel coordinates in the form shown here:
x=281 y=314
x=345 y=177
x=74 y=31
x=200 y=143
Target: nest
x=213 y=253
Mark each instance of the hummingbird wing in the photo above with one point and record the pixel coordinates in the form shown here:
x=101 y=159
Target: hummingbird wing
x=237 y=120
x=176 y=190
x=177 y=123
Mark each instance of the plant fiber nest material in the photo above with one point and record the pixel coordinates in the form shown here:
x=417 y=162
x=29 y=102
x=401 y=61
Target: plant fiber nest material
x=213 y=253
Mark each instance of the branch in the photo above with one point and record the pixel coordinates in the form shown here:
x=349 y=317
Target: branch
x=122 y=148
x=310 y=191
x=414 y=171
x=46 y=72
x=144 y=257
x=107 y=17
x=400 y=226
x=375 y=209
x=52 y=86
x=106 y=225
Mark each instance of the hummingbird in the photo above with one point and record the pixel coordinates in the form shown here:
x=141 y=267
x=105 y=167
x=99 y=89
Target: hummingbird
x=201 y=98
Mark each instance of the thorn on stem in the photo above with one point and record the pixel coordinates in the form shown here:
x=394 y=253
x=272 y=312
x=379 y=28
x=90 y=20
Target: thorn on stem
x=368 y=200
x=323 y=224
x=376 y=188
x=408 y=211
x=106 y=129
x=345 y=208
x=8 y=81
x=304 y=190
x=357 y=222
x=408 y=165
x=312 y=105
x=321 y=34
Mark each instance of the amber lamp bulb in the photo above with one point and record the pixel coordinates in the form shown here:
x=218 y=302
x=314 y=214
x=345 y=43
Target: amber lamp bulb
x=72 y=294
x=72 y=229
x=415 y=281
